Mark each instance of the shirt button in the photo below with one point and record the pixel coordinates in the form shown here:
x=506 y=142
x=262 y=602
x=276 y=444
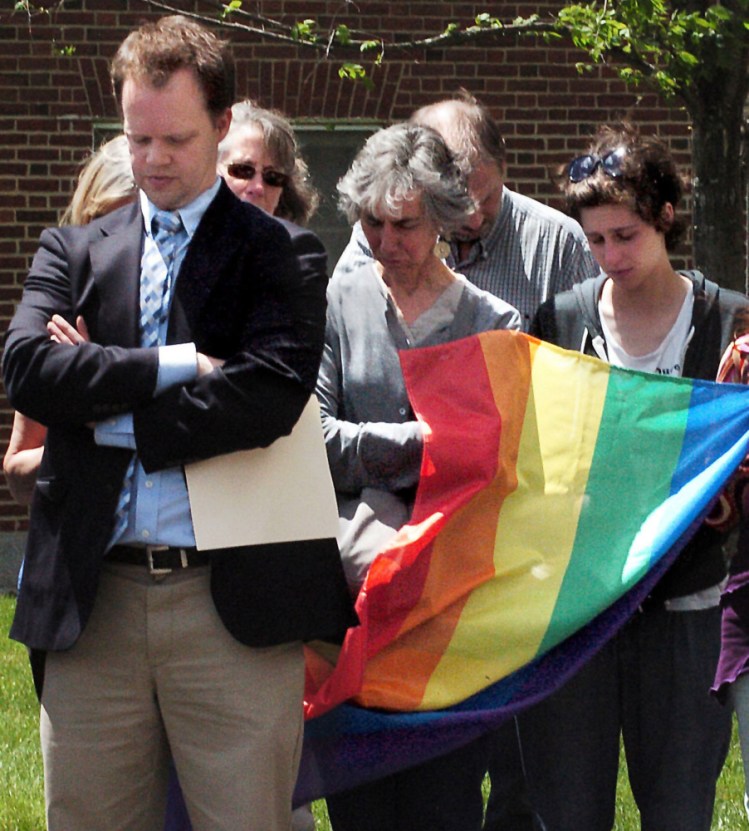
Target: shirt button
x=149 y=483
x=402 y=410
x=145 y=533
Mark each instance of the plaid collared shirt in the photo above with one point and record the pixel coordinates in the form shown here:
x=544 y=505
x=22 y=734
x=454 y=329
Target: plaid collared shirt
x=533 y=252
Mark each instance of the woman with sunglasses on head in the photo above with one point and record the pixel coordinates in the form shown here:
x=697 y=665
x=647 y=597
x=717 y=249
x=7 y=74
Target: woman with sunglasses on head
x=260 y=161
x=650 y=683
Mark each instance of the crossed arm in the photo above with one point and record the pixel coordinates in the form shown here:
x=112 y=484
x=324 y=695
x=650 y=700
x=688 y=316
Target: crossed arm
x=26 y=445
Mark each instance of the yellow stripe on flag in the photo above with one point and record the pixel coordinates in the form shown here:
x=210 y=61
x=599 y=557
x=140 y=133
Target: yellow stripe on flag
x=420 y=647
x=504 y=621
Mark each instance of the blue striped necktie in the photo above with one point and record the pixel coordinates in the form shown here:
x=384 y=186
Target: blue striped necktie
x=156 y=284
x=157 y=277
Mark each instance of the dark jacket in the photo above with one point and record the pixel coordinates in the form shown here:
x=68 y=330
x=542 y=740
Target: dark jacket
x=571 y=320
x=248 y=292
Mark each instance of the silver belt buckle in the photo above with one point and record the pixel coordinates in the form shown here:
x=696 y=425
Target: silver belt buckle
x=156 y=572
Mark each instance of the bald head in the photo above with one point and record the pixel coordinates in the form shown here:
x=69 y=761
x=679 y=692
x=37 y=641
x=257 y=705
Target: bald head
x=468 y=130
x=474 y=138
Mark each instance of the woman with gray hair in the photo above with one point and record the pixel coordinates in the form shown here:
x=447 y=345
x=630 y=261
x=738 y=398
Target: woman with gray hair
x=408 y=193
x=260 y=161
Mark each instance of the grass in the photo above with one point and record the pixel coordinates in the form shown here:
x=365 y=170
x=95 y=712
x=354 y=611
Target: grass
x=22 y=807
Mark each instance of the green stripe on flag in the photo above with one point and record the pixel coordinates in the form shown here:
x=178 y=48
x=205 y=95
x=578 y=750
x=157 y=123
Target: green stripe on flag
x=639 y=445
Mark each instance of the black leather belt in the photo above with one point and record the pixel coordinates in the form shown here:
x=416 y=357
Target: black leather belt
x=158 y=559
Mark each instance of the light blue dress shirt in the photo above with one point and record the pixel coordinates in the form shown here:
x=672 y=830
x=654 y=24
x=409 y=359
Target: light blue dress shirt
x=159 y=508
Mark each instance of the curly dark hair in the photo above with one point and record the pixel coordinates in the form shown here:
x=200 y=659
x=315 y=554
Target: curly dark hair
x=649 y=180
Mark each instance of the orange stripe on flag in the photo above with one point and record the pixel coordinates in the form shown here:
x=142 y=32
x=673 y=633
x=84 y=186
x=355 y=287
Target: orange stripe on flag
x=401 y=673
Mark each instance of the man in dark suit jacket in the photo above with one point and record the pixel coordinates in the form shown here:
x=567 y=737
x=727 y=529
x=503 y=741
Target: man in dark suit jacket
x=137 y=624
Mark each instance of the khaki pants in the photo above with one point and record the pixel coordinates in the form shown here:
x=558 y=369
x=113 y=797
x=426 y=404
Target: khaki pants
x=155 y=672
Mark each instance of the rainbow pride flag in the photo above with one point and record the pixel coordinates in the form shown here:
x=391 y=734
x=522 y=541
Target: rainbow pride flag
x=555 y=491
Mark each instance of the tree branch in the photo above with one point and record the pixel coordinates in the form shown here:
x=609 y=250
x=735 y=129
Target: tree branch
x=268 y=28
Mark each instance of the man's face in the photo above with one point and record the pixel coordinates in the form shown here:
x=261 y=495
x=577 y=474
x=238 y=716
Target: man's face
x=485 y=187
x=173 y=138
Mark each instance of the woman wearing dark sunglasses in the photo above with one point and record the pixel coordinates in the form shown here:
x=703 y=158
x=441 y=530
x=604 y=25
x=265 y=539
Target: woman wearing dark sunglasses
x=650 y=683
x=260 y=161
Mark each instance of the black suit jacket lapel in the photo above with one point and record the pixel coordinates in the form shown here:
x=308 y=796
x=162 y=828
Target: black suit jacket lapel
x=212 y=248
x=115 y=266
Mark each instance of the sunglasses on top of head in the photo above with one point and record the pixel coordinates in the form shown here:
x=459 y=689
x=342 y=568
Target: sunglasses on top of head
x=245 y=170
x=585 y=166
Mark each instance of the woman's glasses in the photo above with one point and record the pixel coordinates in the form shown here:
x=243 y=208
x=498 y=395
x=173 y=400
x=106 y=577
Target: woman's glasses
x=245 y=170
x=584 y=166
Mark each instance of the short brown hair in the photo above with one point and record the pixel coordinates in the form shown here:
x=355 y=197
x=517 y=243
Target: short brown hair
x=649 y=179
x=155 y=51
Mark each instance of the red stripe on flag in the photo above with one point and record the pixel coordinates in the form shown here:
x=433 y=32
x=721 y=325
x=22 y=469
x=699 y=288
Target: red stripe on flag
x=462 y=449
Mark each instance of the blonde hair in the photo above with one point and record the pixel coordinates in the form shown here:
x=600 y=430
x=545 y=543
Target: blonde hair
x=105 y=181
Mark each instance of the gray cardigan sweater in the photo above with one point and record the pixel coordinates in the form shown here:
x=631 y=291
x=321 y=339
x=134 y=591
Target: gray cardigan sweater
x=371 y=435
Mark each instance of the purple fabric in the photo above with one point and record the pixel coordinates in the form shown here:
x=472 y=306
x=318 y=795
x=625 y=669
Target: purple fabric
x=176 y=810
x=734 y=639
x=351 y=745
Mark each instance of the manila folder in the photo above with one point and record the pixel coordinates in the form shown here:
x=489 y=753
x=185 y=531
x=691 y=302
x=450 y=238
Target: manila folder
x=279 y=493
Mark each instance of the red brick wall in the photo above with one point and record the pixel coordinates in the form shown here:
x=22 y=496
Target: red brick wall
x=49 y=104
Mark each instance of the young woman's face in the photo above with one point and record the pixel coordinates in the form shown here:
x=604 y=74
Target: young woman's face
x=628 y=249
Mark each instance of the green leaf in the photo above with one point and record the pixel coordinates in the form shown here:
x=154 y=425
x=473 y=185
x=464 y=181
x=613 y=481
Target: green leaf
x=719 y=13
x=232 y=6
x=486 y=21
x=355 y=72
x=304 y=30
x=343 y=34
x=688 y=58
x=66 y=51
